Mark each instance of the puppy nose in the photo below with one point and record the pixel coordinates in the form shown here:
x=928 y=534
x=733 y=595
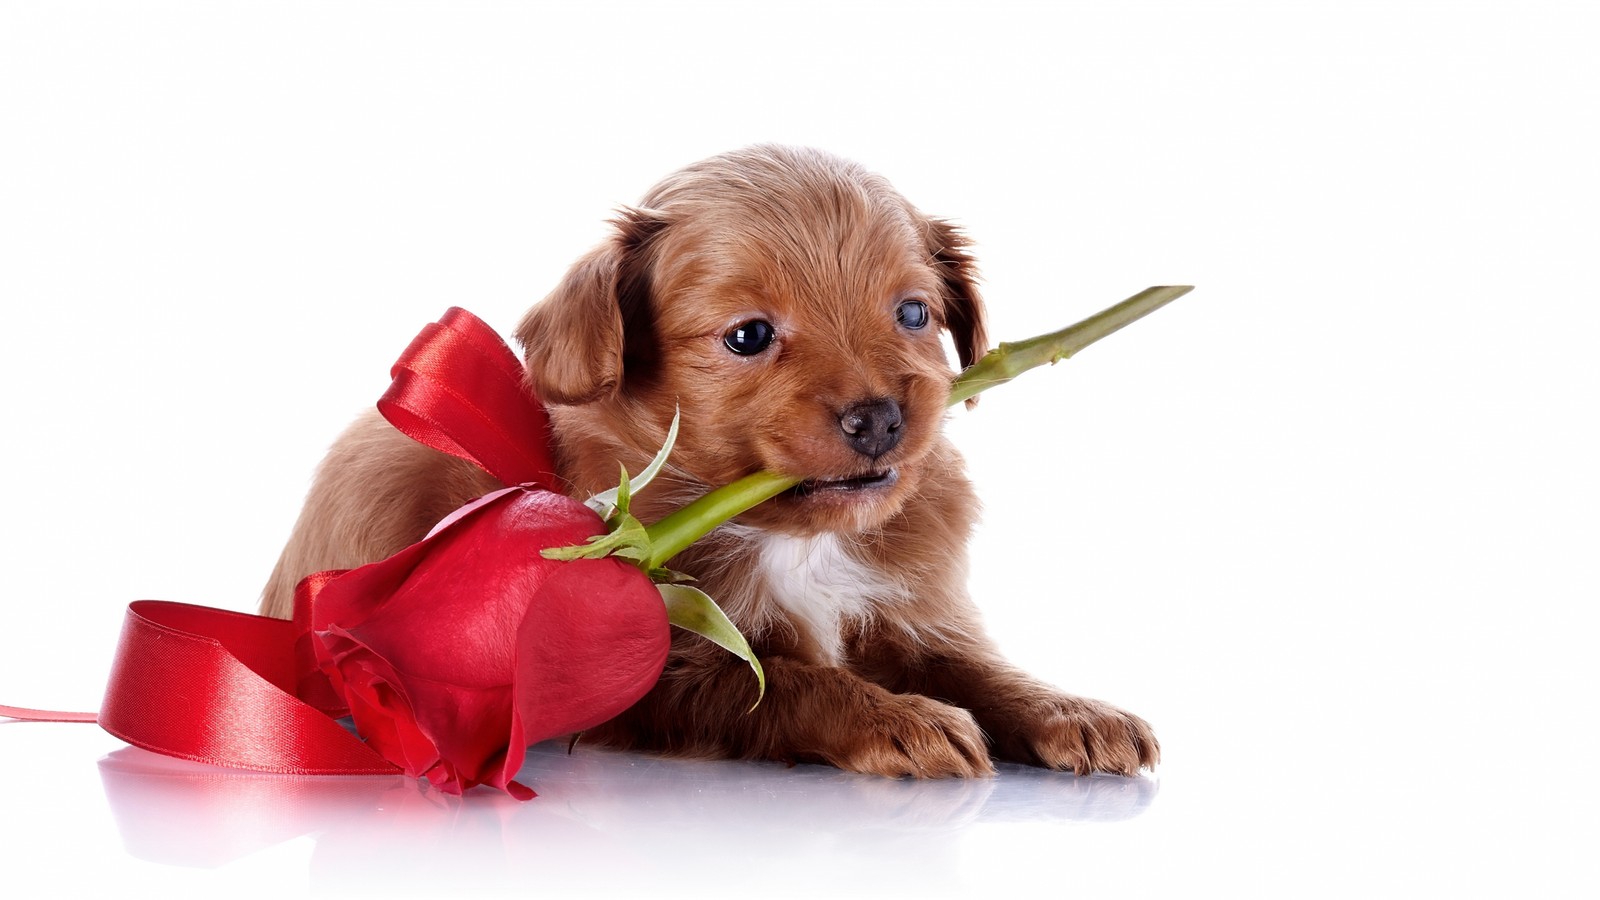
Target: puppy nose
x=872 y=427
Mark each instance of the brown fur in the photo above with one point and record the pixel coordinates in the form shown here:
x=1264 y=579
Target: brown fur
x=855 y=600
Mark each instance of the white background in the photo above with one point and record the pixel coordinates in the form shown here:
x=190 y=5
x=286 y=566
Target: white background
x=1328 y=522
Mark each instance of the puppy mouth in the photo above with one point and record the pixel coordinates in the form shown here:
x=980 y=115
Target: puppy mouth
x=850 y=485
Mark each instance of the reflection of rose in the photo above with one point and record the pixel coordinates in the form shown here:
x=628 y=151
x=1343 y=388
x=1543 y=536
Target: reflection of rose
x=457 y=653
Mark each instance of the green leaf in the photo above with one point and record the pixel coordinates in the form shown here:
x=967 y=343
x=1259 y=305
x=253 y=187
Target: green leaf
x=624 y=491
x=627 y=539
x=670 y=576
x=693 y=610
x=625 y=535
x=643 y=479
x=616 y=499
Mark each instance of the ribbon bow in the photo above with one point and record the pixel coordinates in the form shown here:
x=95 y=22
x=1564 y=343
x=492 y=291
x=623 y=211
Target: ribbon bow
x=416 y=649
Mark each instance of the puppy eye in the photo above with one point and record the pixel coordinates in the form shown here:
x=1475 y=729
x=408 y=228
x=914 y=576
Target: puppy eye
x=912 y=314
x=749 y=338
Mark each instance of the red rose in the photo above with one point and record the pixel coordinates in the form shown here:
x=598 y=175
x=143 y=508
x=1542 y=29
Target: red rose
x=457 y=653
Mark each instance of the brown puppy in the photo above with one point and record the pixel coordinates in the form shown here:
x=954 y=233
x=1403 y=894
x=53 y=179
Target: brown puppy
x=790 y=304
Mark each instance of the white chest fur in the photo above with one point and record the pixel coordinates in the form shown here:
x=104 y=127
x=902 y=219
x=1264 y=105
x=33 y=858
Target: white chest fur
x=822 y=585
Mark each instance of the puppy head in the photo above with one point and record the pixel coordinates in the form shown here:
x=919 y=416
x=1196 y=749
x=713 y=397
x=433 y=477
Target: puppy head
x=790 y=304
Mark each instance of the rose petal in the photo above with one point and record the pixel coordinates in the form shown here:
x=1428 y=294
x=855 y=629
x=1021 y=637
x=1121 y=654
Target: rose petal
x=457 y=653
x=378 y=703
x=594 y=642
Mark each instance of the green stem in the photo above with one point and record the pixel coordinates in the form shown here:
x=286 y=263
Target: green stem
x=1011 y=359
x=674 y=533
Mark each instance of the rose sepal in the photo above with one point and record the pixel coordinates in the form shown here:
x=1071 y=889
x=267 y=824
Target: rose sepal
x=688 y=608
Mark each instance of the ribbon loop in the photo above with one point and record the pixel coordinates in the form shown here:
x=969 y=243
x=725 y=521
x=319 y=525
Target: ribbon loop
x=459 y=389
x=214 y=686
x=245 y=691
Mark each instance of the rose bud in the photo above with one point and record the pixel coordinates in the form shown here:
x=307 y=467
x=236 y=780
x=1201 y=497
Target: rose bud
x=457 y=653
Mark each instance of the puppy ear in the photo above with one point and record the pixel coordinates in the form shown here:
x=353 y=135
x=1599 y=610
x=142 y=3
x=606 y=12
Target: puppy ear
x=578 y=340
x=963 y=305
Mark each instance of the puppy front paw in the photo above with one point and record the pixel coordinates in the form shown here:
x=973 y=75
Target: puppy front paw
x=907 y=734
x=1077 y=734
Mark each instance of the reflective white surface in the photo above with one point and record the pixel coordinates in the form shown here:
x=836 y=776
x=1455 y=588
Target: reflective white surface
x=611 y=820
x=604 y=823
x=1329 y=522
x=1329 y=823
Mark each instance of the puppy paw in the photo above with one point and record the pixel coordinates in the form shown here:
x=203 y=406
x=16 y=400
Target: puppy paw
x=1076 y=734
x=917 y=736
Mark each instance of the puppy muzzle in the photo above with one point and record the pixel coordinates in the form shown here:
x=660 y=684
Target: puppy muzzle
x=872 y=427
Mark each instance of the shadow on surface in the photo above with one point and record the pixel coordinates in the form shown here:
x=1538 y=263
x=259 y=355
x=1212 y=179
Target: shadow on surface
x=602 y=818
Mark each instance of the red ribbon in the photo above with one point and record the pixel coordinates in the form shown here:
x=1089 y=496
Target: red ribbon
x=228 y=688
x=458 y=388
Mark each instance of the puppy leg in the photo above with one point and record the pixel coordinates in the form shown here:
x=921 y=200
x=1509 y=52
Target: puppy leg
x=1030 y=722
x=810 y=713
x=1025 y=720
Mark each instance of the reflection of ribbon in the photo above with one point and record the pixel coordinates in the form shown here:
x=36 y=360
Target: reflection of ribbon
x=226 y=688
x=617 y=813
